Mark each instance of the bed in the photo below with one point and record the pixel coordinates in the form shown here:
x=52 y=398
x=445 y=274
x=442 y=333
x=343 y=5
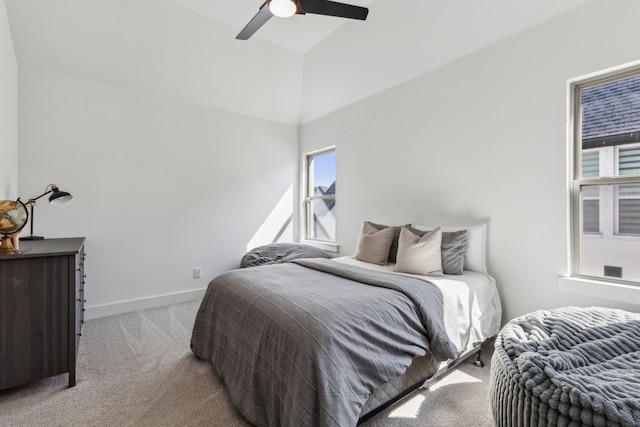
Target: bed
x=327 y=342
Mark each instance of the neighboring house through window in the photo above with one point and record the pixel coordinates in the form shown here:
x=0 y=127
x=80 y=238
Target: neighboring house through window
x=320 y=196
x=605 y=200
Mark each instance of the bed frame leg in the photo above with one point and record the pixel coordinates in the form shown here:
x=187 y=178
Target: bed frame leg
x=479 y=361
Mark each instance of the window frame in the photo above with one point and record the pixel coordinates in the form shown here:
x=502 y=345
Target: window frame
x=576 y=181
x=307 y=200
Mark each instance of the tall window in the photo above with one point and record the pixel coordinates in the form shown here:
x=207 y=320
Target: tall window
x=605 y=199
x=320 y=195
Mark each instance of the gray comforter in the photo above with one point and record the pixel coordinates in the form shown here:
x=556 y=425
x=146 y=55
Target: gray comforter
x=305 y=343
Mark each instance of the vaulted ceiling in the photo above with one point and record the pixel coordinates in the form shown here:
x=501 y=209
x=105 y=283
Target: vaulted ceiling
x=292 y=70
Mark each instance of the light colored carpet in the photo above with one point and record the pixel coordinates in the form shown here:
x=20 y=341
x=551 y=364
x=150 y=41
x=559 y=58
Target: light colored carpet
x=136 y=369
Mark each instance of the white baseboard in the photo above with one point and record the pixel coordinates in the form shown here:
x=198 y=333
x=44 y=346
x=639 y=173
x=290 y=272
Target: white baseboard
x=93 y=312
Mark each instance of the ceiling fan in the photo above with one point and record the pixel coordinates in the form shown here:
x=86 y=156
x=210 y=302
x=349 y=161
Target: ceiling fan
x=287 y=8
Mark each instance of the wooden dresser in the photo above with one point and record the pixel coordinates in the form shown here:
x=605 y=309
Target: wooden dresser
x=41 y=310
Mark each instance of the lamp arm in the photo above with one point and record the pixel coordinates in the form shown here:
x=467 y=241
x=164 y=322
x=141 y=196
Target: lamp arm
x=47 y=191
x=42 y=195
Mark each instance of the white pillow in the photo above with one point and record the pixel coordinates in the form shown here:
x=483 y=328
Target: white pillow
x=475 y=259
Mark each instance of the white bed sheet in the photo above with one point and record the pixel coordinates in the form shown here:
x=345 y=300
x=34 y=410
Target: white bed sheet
x=473 y=310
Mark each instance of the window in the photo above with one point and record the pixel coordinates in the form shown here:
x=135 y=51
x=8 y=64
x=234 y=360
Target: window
x=605 y=181
x=320 y=196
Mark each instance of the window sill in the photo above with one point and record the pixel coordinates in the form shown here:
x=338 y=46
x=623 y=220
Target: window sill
x=604 y=290
x=325 y=246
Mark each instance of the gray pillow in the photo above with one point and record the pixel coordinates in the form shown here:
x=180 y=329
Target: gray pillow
x=393 y=250
x=454 y=246
x=374 y=244
x=420 y=254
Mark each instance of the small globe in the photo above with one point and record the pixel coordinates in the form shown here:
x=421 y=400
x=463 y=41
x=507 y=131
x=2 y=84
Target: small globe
x=13 y=216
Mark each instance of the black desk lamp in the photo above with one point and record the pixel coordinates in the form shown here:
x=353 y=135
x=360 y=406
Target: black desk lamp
x=56 y=198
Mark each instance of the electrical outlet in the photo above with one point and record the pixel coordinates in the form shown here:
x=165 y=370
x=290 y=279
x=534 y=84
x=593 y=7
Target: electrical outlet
x=196 y=273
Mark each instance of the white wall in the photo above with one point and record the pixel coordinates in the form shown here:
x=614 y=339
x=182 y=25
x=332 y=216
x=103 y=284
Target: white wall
x=482 y=139
x=8 y=111
x=160 y=187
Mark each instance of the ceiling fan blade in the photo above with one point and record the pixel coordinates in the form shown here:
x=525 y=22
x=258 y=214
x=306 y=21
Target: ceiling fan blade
x=263 y=15
x=331 y=8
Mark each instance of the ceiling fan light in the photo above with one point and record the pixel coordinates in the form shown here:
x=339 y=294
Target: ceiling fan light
x=282 y=8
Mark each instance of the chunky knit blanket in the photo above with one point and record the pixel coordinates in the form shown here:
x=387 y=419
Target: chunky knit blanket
x=277 y=253
x=568 y=367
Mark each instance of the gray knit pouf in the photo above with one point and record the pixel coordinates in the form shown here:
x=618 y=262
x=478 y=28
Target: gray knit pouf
x=567 y=367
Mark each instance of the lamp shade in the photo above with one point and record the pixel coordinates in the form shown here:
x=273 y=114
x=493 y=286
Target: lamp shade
x=57 y=196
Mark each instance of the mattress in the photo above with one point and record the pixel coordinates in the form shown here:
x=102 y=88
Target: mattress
x=471 y=299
